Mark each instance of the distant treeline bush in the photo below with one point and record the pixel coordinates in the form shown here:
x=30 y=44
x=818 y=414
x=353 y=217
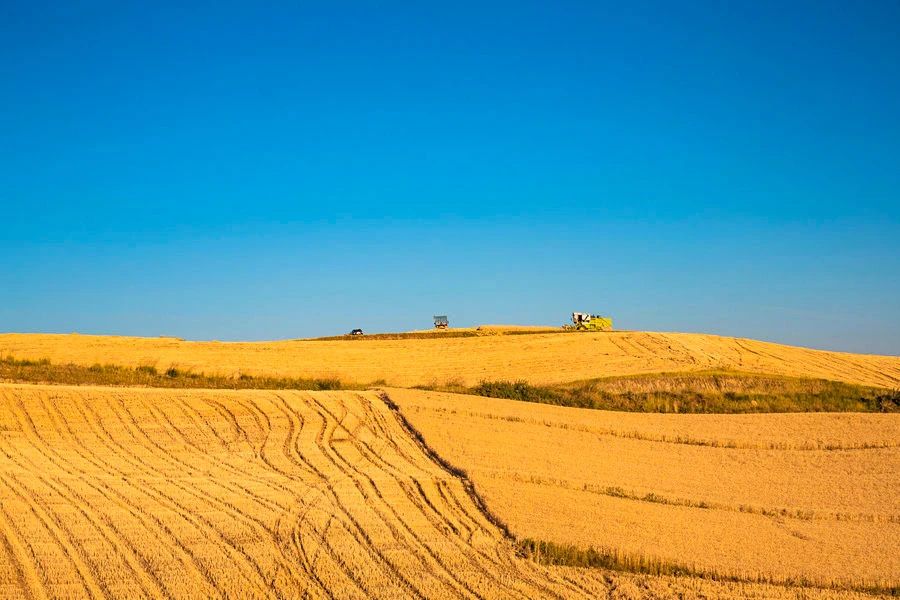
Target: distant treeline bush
x=43 y=371
x=701 y=392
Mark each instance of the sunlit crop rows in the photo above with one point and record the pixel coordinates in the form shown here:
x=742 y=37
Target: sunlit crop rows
x=538 y=358
x=812 y=497
x=131 y=493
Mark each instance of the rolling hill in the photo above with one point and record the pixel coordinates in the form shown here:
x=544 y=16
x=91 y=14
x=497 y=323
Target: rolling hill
x=539 y=358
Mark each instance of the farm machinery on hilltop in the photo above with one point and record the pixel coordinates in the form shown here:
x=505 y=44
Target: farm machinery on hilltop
x=588 y=322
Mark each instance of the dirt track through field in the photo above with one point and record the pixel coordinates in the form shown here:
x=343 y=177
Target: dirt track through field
x=537 y=358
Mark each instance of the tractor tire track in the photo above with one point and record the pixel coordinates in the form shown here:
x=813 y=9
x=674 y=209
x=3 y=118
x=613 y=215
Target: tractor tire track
x=258 y=494
x=115 y=496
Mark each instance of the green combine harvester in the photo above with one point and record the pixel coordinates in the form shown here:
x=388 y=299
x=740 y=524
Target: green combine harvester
x=588 y=322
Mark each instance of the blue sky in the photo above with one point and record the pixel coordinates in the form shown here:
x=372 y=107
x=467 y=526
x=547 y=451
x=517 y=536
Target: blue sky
x=234 y=171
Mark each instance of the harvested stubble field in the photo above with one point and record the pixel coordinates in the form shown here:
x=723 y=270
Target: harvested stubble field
x=128 y=492
x=188 y=494
x=774 y=497
x=162 y=493
x=539 y=358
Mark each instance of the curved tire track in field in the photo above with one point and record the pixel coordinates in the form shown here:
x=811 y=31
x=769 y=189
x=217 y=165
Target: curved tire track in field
x=416 y=497
x=49 y=450
x=111 y=493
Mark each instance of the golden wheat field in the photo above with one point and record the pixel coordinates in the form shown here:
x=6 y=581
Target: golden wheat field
x=132 y=493
x=122 y=492
x=150 y=493
x=537 y=358
x=812 y=497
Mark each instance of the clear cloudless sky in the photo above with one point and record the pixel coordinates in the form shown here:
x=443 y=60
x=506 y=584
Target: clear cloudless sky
x=256 y=170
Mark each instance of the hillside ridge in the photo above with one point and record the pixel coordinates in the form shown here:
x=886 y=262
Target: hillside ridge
x=539 y=358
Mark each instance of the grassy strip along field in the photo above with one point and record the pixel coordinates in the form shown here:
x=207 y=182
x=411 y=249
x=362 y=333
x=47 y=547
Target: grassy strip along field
x=552 y=553
x=715 y=391
x=412 y=335
x=43 y=371
x=702 y=392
